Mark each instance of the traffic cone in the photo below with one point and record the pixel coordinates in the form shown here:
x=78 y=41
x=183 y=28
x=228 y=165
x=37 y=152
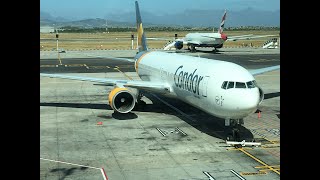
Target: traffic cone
x=259 y=114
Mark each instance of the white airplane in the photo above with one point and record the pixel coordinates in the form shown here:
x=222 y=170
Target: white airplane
x=215 y=40
x=220 y=88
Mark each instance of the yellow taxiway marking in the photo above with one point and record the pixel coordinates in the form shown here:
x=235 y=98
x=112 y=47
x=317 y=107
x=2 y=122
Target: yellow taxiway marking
x=236 y=149
x=253 y=173
x=271 y=168
x=123 y=73
x=273 y=142
x=75 y=65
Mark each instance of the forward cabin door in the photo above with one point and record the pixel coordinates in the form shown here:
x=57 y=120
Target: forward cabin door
x=204 y=86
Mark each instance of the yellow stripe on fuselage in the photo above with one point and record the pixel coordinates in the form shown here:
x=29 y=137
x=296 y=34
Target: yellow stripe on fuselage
x=140 y=33
x=138 y=61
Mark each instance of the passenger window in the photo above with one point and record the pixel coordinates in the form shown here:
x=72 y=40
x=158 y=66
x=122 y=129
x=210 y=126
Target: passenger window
x=240 y=85
x=250 y=84
x=224 y=85
x=230 y=85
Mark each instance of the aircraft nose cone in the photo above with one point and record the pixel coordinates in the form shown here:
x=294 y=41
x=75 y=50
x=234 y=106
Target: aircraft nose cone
x=251 y=101
x=224 y=36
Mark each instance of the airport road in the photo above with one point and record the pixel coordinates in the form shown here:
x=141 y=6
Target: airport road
x=166 y=139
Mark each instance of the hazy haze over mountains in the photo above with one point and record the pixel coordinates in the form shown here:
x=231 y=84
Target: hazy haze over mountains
x=189 y=17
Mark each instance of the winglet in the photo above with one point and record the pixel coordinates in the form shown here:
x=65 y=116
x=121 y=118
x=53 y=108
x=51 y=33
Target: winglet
x=222 y=22
x=142 y=43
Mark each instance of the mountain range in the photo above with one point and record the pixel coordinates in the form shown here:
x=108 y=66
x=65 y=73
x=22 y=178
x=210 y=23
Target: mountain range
x=191 y=18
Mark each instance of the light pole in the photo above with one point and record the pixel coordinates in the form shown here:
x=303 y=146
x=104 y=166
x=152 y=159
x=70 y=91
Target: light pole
x=132 y=38
x=57 y=37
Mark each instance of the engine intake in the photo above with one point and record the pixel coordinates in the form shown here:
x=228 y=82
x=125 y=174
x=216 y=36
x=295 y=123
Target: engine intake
x=178 y=45
x=121 y=100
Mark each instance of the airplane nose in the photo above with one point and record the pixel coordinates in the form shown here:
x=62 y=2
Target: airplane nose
x=224 y=36
x=252 y=100
x=261 y=95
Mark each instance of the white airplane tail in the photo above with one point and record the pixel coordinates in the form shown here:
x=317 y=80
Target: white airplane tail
x=222 y=22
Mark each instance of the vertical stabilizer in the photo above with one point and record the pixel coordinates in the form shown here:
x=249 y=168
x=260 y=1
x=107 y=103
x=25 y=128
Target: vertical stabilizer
x=222 y=22
x=142 y=43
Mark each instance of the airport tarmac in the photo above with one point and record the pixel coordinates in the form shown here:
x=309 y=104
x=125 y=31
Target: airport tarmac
x=80 y=134
x=128 y=53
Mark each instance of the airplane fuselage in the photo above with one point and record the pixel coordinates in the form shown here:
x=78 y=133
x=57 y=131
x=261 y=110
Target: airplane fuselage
x=205 y=39
x=198 y=82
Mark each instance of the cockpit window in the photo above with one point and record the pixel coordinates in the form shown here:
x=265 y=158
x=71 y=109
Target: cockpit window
x=224 y=85
x=241 y=85
x=250 y=84
x=230 y=85
x=255 y=83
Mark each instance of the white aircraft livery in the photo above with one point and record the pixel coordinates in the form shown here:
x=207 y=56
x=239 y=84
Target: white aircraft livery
x=220 y=88
x=215 y=40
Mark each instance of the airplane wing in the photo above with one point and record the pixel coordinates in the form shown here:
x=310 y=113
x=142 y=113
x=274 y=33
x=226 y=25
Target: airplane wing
x=145 y=85
x=247 y=37
x=264 y=70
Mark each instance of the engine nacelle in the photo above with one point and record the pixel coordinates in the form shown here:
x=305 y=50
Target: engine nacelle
x=178 y=45
x=122 y=100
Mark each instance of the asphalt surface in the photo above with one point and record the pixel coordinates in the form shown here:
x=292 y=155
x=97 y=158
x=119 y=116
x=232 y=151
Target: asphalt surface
x=100 y=65
x=165 y=139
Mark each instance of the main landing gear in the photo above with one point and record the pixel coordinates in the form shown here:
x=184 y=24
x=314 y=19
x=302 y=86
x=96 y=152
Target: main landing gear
x=214 y=50
x=234 y=133
x=192 y=48
x=140 y=103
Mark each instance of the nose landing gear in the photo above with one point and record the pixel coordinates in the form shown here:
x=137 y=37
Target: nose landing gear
x=233 y=132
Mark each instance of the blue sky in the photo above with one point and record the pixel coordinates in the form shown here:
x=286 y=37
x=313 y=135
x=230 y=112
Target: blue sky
x=78 y=9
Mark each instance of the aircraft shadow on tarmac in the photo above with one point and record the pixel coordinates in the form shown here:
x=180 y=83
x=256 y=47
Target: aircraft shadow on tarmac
x=200 y=120
x=198 y=50
x=271 y=95
x=67 y=171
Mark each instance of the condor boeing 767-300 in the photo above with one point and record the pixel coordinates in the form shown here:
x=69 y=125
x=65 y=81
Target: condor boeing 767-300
x=222 y=89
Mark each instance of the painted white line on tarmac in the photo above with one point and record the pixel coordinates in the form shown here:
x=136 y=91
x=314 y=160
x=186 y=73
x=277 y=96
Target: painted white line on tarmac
x=70 y=163
x=105 y=177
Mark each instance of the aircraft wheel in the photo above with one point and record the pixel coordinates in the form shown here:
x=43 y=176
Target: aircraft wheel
x=193 y=48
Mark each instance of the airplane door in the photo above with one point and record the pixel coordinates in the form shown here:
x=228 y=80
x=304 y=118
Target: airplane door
x=204 y=86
